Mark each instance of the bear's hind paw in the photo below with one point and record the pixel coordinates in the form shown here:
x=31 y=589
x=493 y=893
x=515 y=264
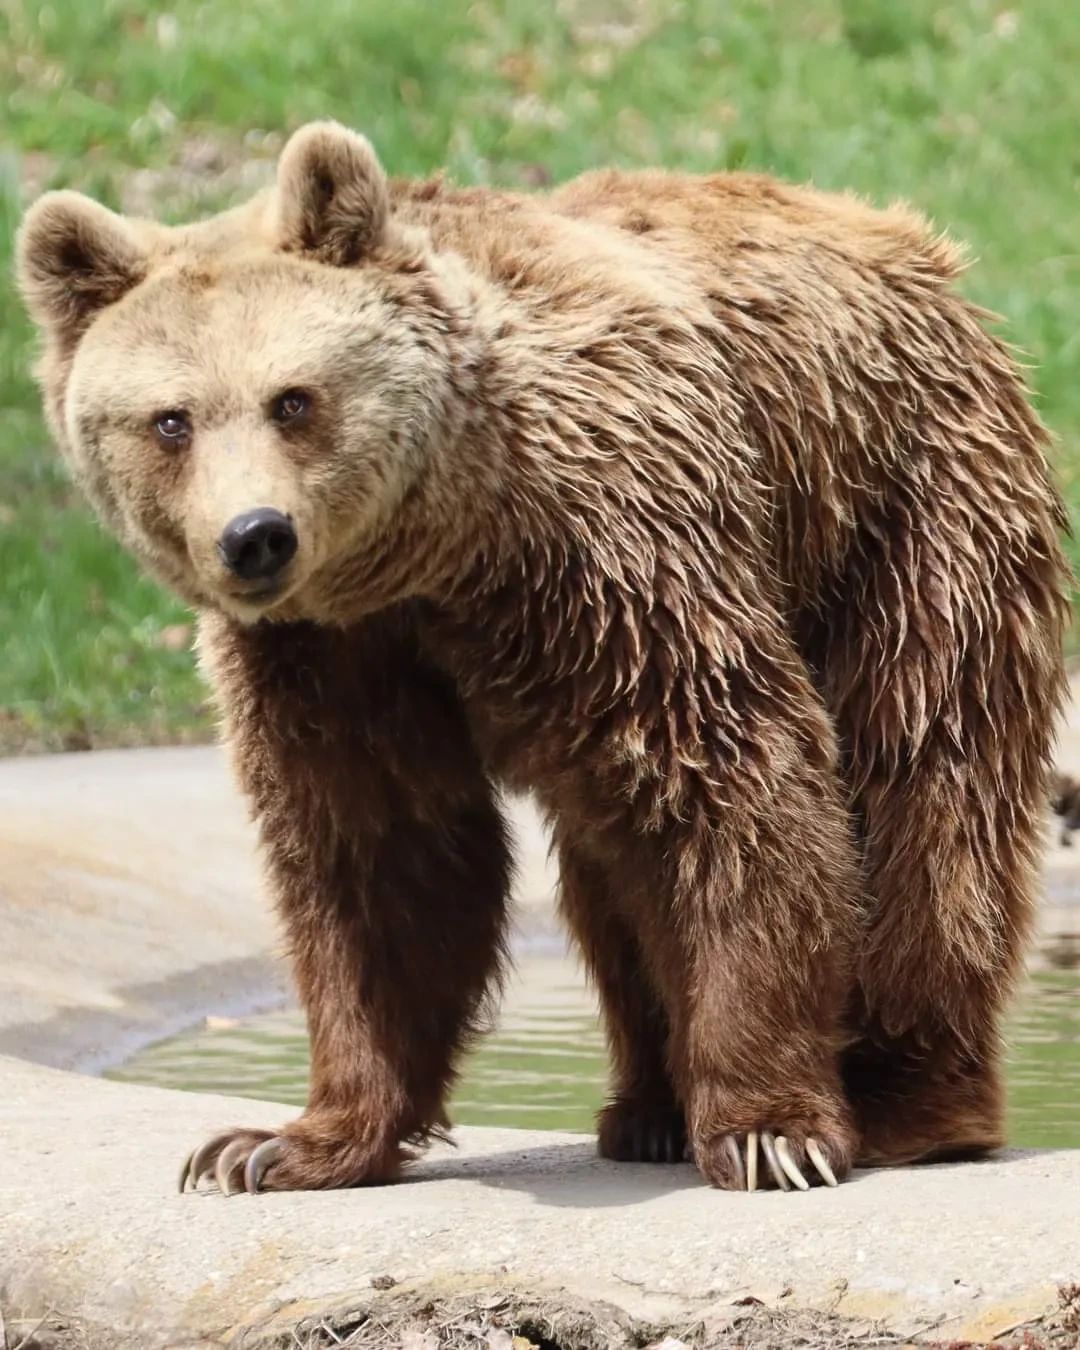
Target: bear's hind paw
x=637 y=1130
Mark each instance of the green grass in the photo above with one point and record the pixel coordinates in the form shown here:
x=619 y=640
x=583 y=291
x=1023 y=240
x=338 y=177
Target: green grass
x=968 y=109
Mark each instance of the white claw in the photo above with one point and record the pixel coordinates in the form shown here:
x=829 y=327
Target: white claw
x=769 y=1149
x=185 y=1172
x=731 y=1147
x=818 y=1158
x=227 y=1159
x=260 y=1161
x=751 y=1161
x=196 y=1164
x=787 y=1162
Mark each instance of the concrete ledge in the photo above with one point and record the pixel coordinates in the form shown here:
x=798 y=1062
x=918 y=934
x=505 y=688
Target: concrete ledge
x=91 y=1223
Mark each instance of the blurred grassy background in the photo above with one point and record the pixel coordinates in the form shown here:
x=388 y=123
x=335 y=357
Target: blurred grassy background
x=969 y=109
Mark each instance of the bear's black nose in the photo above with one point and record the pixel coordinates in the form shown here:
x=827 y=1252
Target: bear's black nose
x=258 y=544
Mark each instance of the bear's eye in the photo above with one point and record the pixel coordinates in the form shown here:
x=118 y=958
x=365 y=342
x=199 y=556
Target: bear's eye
x=290 y=405
x=173 y=426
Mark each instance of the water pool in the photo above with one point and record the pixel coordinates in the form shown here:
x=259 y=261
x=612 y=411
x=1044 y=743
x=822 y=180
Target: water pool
x=543 y=1067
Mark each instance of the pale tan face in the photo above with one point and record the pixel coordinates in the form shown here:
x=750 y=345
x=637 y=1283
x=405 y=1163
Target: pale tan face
x=249 y=400
x=275 y=386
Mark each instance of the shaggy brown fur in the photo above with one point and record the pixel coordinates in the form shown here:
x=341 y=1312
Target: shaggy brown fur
x=701 y=507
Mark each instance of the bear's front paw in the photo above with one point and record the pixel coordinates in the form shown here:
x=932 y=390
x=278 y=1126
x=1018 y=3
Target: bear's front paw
x=758 y=1159
x=313 y=1153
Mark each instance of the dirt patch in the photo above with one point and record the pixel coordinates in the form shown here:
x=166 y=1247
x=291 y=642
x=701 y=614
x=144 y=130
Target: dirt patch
x=509 y=1320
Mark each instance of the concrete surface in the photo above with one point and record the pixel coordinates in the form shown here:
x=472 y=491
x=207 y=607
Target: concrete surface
x=144 y=864
x=89 y=1206
x=130 y=906
x=130 y=903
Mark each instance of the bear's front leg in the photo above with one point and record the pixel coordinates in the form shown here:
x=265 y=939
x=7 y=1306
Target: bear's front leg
x=757 y=1024
x=768 y=962
x=390 y=864
x=740 y=877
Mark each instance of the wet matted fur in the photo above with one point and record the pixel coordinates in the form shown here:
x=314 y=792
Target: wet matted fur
x=703 y=508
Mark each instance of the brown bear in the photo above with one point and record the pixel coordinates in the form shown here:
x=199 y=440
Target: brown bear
x=703 y=508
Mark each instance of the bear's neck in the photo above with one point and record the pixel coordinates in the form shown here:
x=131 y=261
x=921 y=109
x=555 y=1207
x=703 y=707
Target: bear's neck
x=588 y=460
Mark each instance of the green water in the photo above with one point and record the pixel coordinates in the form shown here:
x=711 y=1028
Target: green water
x=544 y=1067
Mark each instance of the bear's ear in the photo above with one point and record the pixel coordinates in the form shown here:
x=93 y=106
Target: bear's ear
x=75 y=256
x=332 y=195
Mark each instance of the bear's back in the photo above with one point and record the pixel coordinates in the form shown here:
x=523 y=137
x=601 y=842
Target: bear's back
x=726 y=227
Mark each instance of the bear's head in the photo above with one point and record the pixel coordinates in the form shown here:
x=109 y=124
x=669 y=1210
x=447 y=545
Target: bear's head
x=256 y=403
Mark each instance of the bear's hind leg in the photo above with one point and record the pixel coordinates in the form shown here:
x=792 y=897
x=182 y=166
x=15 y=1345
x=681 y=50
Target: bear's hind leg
x=389 y=858
x=940 y=662
x=642 y=1120
x=950 y=881
x=952 y=823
